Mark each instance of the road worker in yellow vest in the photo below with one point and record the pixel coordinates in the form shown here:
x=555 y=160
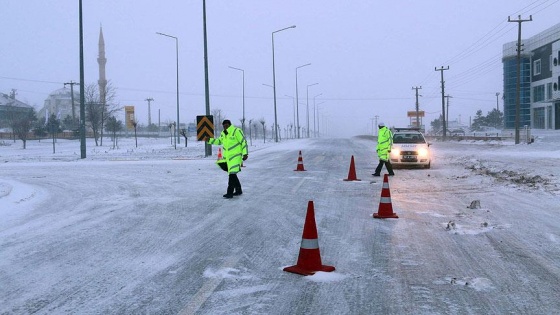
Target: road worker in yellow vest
x=235 y=152
x=383 y=148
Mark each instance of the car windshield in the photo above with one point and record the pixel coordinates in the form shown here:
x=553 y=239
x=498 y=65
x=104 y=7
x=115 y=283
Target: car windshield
x=408 y=138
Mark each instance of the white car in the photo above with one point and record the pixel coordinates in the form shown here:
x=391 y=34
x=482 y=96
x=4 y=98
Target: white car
x=410 y=148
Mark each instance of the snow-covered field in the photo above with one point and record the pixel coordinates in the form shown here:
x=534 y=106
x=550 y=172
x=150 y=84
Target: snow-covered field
x=145 y=230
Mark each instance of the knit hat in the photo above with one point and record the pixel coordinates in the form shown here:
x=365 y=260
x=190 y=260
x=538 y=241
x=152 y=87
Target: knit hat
x=381 y=124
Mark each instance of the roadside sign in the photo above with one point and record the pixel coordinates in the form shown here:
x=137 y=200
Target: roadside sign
x=204 y=127
x=412 y=113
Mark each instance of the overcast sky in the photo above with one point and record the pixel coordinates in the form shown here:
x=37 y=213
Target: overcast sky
x=365 y=55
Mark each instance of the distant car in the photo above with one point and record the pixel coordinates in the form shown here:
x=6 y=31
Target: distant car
x=410 y=149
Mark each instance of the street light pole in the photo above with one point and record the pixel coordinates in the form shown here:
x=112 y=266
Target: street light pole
x=314 y=109
x=177 y=56
x=274 y=84
x=243 y=118
x=207 y=146
x=318 y=120
x=82 y=88
x=297 y=98
x=294 y=105
x=307 y=105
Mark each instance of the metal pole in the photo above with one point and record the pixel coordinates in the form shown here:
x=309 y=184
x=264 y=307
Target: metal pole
x=297 y=98
x=82 y=90
x=314 y=109
x=307 y=105
x=207 y=146
x=178 y=124
x=294 y=106
x=274 y=84
x=177 y=57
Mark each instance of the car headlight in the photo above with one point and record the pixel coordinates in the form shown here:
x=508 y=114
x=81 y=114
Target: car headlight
x=423 y=152
x=395 y=152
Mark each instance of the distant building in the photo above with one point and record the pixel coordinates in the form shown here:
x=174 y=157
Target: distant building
x=59 y=103
x=10 y=107
x=540 y=81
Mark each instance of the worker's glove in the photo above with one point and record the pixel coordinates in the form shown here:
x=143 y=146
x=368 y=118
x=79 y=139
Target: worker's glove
x=245 y=157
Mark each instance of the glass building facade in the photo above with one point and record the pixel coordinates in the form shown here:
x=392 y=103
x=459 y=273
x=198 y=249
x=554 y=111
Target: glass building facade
x=510 y=92
x=539 y=101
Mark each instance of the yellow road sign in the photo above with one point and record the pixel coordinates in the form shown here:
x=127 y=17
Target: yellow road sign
x=204 y=127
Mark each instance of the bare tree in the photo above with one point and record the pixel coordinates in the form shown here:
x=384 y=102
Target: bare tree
x=22 y=125
x=183 y=132
x=96 y=112
x=218 y=115
x=54 y=128
x=262 y=121
x=114 y=126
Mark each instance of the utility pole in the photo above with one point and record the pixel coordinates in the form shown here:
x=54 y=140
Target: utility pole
x=497 y=110
x=518 y=86
x=443 y=101
x=376 y=118
x=72 y=83
x=447 y=111
x=149 y=100
x=417 y=106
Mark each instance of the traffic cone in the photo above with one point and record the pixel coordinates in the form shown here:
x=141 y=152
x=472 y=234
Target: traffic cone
x=299 y=163
x=352 y=171
x=309 y=260
x=385 y=206
x=220 y=156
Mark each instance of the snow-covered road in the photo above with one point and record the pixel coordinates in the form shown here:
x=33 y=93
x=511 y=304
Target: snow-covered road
x=134 y=234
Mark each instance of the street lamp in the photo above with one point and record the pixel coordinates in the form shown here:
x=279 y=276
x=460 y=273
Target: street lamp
x=294 y=105
x=318 y=120
x=314 y=109
x=307 y=105
x=177 y=54
x=297 y=98
x=82 y=88
x=243 y=118
x=274 y=83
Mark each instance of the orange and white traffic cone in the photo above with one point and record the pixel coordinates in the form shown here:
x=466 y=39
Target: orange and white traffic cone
x=385 y=206
x=352 y=171
x=309 y=260
x=220 y=156
x=299 y=163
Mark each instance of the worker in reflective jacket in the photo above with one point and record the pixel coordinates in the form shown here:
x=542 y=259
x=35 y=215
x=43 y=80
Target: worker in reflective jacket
x=234 y=152
x=384 y=143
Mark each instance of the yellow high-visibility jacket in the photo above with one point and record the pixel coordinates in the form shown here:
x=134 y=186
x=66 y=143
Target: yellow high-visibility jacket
x=384 y=143
x=234 y=147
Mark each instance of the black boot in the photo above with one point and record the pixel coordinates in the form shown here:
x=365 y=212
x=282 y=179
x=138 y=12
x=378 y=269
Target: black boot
x=229 y=193
x=234 y=180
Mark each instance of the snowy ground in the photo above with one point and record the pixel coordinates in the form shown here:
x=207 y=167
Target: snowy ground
x=145 y=230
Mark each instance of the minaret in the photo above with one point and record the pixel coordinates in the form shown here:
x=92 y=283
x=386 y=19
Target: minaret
x=101 y=60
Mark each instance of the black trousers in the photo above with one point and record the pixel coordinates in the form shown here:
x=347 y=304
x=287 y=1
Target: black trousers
x=388 y=165
x=233 y=183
